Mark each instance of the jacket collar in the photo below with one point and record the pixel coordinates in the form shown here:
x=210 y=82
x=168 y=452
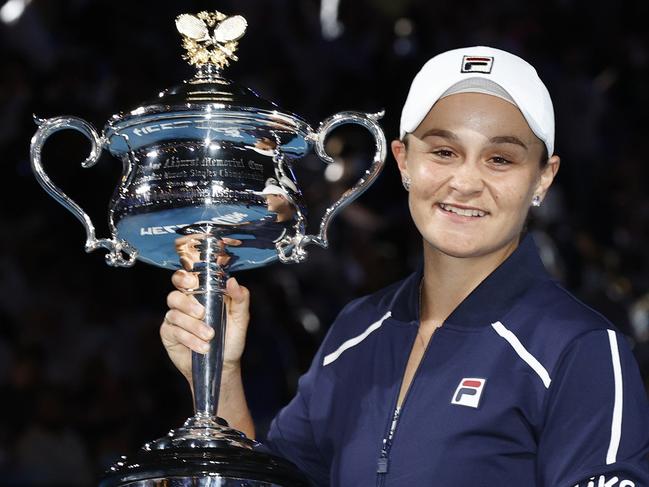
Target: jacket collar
x=490 y=300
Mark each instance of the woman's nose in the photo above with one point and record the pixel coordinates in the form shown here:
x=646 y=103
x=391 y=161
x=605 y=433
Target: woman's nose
x=466 y=178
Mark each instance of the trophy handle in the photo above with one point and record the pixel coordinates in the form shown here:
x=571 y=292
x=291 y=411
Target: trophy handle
x=120 y=254
x=291 y=249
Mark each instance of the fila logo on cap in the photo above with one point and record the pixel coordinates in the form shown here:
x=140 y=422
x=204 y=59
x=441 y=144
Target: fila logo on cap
x=469 y=392
x=477 y=64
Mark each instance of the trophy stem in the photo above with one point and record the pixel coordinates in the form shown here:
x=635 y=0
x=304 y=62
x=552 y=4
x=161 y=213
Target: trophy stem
x=206 y=368
x=208 y=71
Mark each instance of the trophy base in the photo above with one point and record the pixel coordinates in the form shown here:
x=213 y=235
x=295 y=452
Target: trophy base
x=203 y=467
x=205 y=452
x=202 y=432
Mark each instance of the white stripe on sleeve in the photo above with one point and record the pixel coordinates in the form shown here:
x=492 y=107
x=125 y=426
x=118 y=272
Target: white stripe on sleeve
x=352 y=342
x=522 y=352
x=616 y=425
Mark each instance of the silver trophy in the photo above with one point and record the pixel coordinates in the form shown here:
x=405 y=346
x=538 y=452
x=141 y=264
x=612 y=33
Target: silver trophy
x=207 y=186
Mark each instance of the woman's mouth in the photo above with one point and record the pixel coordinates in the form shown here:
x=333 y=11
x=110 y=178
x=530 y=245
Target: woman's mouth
x=468 y=212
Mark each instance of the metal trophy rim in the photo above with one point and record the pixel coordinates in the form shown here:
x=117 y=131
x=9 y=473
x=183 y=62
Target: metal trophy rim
x=231 y=113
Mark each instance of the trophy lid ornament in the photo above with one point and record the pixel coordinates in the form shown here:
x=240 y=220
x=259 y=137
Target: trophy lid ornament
x=216 y=47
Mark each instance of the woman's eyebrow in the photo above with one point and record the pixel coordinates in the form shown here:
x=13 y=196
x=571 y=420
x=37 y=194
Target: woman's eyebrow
x=499 y=139
x=507 y=139
x=447 y=134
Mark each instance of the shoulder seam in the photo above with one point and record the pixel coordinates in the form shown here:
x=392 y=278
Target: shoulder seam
x=577 y=301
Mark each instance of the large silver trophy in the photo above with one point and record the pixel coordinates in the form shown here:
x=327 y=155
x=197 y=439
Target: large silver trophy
x=207 y=186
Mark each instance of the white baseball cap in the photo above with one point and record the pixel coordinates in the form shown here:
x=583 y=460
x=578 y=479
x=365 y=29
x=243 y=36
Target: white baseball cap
x=486 y=70
x=273 y=187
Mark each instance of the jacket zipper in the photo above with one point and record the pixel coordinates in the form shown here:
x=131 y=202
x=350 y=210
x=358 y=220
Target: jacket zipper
x=383 y=463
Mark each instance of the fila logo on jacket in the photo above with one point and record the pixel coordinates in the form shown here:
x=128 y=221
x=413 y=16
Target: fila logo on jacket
x=469 y=392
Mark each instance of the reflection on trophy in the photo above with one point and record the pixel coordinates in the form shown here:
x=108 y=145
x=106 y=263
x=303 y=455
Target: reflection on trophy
x=207 y=186
x=279 y=201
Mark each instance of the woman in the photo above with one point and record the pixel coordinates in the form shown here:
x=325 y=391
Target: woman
x=478 y=369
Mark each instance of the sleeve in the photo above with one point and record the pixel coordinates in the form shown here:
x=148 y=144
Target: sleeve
x=596 y=427
x=291 y=436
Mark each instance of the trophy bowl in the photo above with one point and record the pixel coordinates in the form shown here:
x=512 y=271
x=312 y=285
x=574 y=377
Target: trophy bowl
x=208 y=186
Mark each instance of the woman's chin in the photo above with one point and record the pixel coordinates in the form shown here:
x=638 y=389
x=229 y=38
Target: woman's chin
x=465 y=247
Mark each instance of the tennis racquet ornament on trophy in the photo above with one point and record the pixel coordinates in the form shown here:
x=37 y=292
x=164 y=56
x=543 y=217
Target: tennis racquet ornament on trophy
x=208 y=186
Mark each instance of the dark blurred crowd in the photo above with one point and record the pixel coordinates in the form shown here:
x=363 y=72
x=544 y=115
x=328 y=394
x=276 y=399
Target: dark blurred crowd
x=83 y=377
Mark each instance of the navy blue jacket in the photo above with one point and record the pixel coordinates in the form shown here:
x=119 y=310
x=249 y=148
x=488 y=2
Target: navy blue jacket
x=523 y=386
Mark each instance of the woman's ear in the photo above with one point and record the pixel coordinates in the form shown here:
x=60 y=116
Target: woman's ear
x=547 y=176
x=399 y=152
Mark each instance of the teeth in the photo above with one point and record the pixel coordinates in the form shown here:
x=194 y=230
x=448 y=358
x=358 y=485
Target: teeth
x=462 y=211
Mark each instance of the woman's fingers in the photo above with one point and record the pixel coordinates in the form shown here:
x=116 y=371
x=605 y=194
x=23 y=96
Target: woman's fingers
x=237 y=304
x=239 y=295
x=183 y=323
x=172 y=335
x=186 y=303
x=184 y=280
x=183 y=326
x=189 y=323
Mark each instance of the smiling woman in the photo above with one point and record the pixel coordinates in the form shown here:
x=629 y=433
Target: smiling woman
x=473 y=167
x=478 y=369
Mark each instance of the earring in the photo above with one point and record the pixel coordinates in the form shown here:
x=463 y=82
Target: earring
x=536 y=201
x=406 y=182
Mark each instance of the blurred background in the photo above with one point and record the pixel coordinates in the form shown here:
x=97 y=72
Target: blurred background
x=83 y=377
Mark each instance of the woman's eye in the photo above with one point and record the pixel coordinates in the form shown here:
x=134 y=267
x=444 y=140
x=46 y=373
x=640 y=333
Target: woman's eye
x=500 y=161
x=443 y=153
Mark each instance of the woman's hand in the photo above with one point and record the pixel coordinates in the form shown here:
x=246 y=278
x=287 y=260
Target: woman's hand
x=183 y=329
